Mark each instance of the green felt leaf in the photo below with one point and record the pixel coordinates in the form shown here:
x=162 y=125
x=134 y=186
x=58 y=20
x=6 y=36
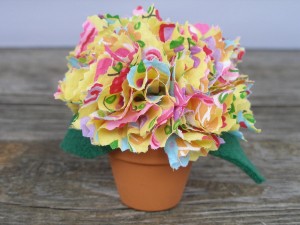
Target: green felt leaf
x=114 y=144
x=233 y=152
x=76 y=144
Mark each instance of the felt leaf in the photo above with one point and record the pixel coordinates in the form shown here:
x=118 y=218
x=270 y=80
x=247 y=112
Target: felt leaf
x=76 y=144
x=114 y=144
x=233 y=152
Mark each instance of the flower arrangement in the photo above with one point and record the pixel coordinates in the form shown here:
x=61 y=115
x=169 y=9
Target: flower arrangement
x=143 y=83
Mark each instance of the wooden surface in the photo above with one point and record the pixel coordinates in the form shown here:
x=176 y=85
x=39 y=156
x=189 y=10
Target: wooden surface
x=39 y=184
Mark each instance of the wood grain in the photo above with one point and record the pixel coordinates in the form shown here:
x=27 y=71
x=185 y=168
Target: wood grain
x=49 y=122
x=40 y=184
x=43 y=185
x=31 y=76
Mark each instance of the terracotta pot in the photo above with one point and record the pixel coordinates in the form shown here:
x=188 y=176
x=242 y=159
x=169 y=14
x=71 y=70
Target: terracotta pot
x=146 y=181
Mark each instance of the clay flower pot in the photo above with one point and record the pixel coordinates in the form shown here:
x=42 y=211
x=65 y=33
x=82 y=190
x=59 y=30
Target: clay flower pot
x=146 y=181
x=144 y=81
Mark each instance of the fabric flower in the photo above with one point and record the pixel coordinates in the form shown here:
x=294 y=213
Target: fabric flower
x=143 y=83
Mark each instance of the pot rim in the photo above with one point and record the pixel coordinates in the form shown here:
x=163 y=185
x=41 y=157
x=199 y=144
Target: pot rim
x=153 y=157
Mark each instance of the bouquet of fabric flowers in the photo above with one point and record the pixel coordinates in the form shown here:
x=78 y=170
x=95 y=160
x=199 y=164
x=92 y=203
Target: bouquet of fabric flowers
x=143 y=83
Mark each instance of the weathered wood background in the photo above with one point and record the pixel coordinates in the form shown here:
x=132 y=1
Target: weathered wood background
x=39 y=184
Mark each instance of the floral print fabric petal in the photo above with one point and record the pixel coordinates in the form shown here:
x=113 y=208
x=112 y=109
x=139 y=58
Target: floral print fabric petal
x=143 y=83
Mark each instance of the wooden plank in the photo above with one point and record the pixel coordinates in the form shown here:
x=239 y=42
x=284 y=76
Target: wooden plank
x=31 y=71
x=276 y=76
x=44 y=122
x=39 y=184
x=33 y=122
x=31 y=76
x=42 y=185
x=29 y=99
